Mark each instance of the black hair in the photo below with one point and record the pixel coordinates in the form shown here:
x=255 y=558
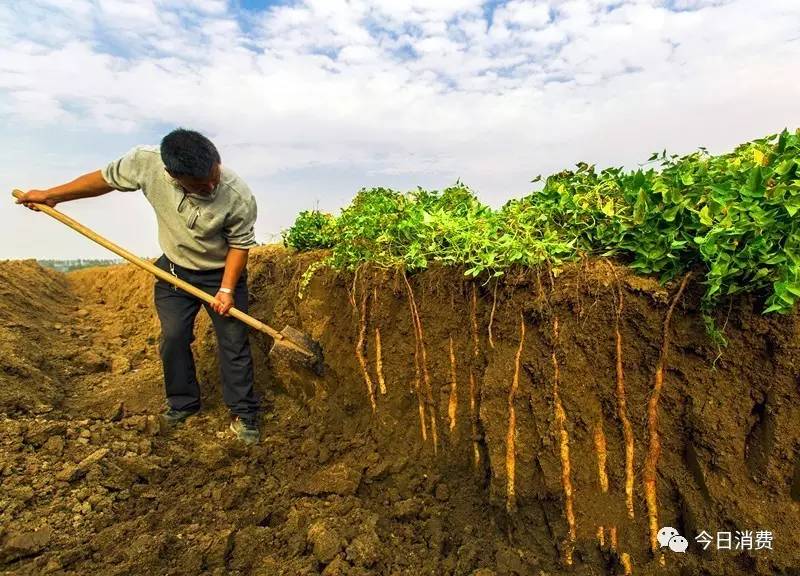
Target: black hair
x=188 y=153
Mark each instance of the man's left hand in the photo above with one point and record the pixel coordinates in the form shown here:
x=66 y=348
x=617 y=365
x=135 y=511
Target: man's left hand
x=222 y=303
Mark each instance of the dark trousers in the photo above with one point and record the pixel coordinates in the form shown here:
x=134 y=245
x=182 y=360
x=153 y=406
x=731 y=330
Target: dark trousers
x=177 y=311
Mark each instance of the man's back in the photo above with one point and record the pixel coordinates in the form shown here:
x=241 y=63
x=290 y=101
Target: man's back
x=194 y=230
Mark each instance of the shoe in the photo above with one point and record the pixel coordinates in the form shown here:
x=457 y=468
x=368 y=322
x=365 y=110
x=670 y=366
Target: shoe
x=174 y=417
x=246 y=430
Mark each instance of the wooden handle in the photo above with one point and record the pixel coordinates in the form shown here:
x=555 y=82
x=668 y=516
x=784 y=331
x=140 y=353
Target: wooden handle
x=155 y=270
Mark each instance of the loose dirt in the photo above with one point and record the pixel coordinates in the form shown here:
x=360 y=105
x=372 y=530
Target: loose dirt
x=397 y=460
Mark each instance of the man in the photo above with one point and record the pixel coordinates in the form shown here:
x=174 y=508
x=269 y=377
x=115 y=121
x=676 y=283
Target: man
x=205 y=215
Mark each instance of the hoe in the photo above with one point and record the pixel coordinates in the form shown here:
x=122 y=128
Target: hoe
x=289 y=342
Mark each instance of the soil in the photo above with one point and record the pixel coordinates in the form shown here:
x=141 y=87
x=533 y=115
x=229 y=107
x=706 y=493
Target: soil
x=343 y=482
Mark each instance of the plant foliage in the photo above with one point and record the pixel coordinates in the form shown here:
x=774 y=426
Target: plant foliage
x=734 y=214
x=312 y=229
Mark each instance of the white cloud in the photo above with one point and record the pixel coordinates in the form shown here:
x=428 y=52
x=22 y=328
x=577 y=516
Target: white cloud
x=521 y=13
x=696 y=4
x=414 y=91
x=210 y=7
x=129 y=14
x=41 y=109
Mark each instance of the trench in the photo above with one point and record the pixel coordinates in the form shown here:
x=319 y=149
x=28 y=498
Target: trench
x=351 y=477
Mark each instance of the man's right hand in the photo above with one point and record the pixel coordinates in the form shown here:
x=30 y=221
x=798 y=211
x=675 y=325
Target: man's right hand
x=33 y=197
x=86 y=186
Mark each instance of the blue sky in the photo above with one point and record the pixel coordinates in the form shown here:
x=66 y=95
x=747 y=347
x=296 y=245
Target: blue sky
x=310 y=101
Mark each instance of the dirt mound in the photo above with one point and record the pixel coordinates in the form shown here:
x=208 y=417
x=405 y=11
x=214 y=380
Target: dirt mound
x=37 y=351
x=460 y=428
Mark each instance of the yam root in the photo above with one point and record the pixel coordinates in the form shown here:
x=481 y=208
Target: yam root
x=622 y=405
x=491 y=315
x=453 y=405
x=654 y=448
x=417 y=361
x=379 y=361
x=424 y=366
x=360 y=344
x=476 y=453
x=512 y=424
x=566 y=476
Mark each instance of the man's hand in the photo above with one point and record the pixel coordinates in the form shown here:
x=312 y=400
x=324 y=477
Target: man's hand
x=86 y=186
x=235 y=262
x=222 y=303
x=33 y=197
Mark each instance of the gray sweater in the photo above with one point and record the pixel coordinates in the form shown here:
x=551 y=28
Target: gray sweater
x=193 y=231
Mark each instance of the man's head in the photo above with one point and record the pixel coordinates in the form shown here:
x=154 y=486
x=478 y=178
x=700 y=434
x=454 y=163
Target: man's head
x=192 y=160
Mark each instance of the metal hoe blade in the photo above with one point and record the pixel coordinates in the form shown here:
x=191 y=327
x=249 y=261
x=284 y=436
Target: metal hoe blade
x=287 y=348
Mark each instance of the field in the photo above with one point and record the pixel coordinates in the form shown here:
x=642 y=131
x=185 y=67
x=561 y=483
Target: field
x=529 y=390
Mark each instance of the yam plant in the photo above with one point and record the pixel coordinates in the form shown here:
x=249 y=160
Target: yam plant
x=733 y=214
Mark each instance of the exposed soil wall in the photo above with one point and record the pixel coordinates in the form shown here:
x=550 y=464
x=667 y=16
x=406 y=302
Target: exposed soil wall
x=449 y=453
x=727 y=421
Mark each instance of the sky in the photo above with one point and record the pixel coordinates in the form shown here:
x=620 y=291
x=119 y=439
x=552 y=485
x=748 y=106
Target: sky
x=309 y=101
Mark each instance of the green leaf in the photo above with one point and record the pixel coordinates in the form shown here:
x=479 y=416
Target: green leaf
x=754 y=180
x=705 y=216
x=784 y=167
x=669 y=214
x=774 y=308
x=640 y=208
x=776 y=259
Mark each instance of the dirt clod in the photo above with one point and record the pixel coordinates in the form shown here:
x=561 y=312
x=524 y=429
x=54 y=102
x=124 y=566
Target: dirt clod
x=364 y=550
x=407 y=509
x=338 y=478
x=338 y=567
x=54 y=445
x=25 y=544
x=325 y=541
x=72 y=472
